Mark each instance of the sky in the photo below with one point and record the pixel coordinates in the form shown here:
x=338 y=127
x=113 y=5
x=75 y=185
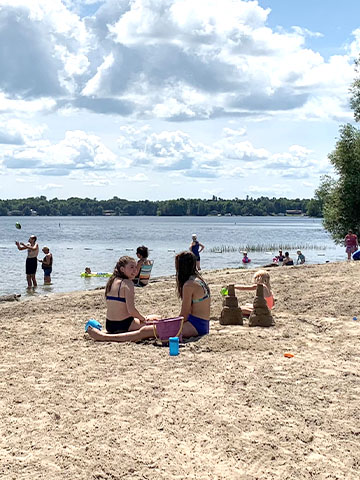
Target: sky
x=162 y=99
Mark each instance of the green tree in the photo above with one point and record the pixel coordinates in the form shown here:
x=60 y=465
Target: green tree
x=3 y=210
x=341 y=197
x=314 y=208
x=355 y=92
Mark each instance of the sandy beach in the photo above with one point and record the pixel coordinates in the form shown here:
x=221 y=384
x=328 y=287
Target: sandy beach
x=230 y=406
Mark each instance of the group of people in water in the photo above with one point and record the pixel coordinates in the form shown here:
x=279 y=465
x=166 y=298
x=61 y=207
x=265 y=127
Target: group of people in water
x=31 y=264
x=286 y=260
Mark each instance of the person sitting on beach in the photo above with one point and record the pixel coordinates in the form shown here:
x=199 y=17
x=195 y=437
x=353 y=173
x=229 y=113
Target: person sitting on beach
x=280 y=257
x=260 y=277
x=142 y=254
x=287 y=260
x=301 y=258
x=351 y=244
x=191 y=288
x=46 y=265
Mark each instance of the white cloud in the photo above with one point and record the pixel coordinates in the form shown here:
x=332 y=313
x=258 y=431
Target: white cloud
x=49 y=186
x=185 y=60
x=16 y=132
x=78 y=151
x=276 y=189
x=354 y=47
x=308 y=184
x=139 y=177
x=233 y=134
x=25 y=107
x=44 y=45
x=170 y=59
x=228 y=157
x=85 y=66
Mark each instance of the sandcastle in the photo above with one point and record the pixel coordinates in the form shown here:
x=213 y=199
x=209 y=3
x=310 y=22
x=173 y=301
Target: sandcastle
x=260 y=316
x=231 y=313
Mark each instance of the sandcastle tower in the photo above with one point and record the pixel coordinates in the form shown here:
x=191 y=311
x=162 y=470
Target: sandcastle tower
x=231 y=313
x=260 y=316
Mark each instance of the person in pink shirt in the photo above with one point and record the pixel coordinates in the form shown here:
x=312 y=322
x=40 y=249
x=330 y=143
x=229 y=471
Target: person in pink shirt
x=351 y=243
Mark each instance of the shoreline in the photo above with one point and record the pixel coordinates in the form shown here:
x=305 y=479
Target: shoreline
x=158 y=279
x=229 y=406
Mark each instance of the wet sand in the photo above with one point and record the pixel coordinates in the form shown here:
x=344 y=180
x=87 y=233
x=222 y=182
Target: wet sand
x=230 y=406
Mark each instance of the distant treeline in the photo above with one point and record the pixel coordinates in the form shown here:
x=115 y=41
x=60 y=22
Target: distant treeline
x=180 y=207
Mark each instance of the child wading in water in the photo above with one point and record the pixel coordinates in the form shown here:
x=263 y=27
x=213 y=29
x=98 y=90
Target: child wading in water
x=260 y=277
x=125 y=324
x=46 y=265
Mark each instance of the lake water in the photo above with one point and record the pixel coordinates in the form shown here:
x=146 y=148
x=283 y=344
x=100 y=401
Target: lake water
x=97 y=242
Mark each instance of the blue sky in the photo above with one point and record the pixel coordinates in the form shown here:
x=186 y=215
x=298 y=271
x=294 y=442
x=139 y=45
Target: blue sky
x=159 y=99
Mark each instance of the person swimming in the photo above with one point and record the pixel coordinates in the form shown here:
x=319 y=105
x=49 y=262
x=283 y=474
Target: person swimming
x=245 y=258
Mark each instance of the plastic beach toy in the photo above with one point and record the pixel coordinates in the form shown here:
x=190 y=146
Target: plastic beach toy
x=224 y=292
x=93 y=323
x=288 y=355
x=174 y=346
x=96 y=274
x=166 y=328
x=18 y=226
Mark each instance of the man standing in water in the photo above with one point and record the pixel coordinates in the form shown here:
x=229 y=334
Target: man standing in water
x=196 y=248
x=31 y=262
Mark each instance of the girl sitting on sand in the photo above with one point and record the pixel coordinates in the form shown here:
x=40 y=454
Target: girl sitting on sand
x=260 y=277
x=121 y=315
x=142 y=254
x=191 y=288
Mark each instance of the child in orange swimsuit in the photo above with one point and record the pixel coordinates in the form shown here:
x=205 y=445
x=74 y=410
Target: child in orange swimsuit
x=261 y=276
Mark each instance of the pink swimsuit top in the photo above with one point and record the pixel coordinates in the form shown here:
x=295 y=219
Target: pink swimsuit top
x=270 y=302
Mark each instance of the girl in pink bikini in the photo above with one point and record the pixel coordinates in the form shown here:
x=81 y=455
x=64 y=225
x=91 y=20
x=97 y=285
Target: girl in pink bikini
x=260 y=277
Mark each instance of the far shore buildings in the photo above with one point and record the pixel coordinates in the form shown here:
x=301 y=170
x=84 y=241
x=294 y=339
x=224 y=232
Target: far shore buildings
x=109 y=213
x=294 y=212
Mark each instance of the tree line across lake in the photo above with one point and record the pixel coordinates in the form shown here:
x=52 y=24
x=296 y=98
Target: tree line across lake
x=75 y=206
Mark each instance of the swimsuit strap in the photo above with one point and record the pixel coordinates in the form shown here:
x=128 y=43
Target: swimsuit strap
x=206 y=291
x=118 y=298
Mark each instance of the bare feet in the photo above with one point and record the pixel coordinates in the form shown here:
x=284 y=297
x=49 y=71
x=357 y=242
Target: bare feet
x=97 y=335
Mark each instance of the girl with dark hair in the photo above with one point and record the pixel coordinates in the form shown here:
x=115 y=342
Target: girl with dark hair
x=287 y=260
x=195 y=307
x=194 y=292
x=142 y=254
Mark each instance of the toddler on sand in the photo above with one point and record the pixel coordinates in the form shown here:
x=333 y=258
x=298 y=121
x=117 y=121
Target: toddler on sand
x=260 y=277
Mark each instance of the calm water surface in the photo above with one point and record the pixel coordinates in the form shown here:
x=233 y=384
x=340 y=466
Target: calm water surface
x=77 y=242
